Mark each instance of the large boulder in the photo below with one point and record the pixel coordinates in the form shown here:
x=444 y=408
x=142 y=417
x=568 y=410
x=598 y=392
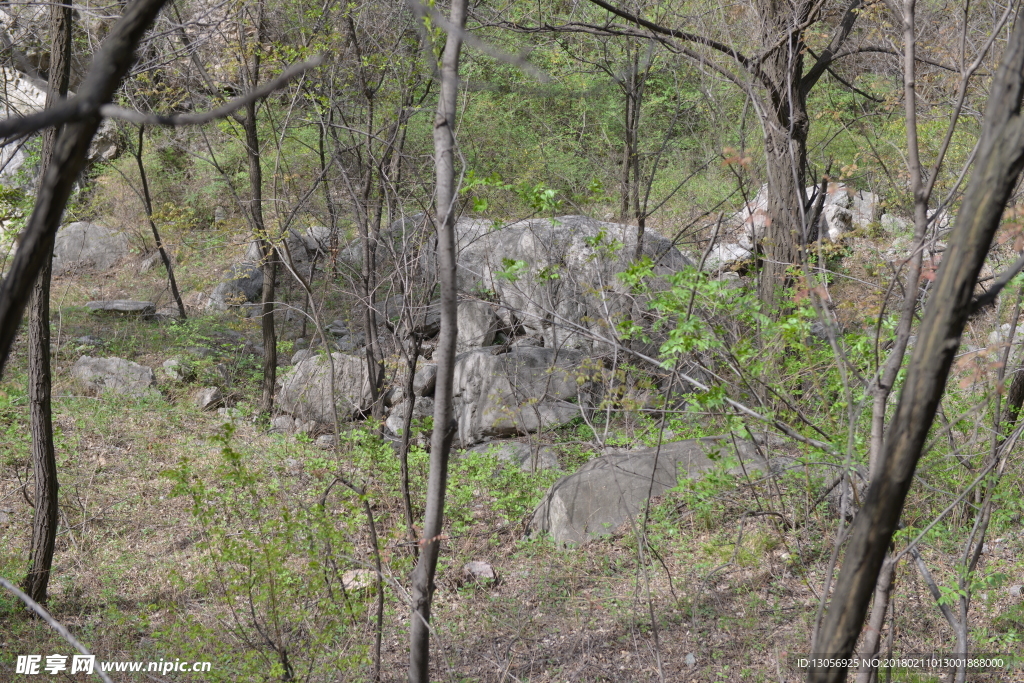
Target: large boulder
x=87 y=245
x=114 y=374
x=611 y=489
x=523 y=390
x=557 y=278
x=424 y=408
x=305 y=392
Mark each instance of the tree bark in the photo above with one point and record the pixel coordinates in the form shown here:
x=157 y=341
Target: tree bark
x=44 y=461
x=268 y=254
x=444 y=422
x=998 y=164
x=785 y=144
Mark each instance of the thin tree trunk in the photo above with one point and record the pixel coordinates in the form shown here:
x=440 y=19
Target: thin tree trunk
x=44 y=461
x=998 y=164
x=152 y=226
x=268 y=253
x=444 y=422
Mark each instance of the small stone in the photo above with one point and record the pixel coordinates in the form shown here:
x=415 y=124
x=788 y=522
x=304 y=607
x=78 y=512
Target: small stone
x=89 y=340
x=209 y=398
x=480 y=571
x=325 y=441
x=690 y=660
x=1017 y=591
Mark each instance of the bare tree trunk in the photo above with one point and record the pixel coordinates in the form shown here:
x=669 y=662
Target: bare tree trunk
x=152 y=226
x=444 y=421
x=268 y=253
x=44 y=461
x=998 y=164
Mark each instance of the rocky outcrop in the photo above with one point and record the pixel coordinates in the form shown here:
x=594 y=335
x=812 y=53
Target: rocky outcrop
x=517 y=392
x=117 y=375
x=84 y=245
x=553 y=279
x=611 y=489
x=305 y=391
x=845 y=209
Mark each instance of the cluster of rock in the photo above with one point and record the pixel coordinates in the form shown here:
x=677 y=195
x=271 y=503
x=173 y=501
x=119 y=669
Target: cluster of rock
x=535 y=296
x=845 y=210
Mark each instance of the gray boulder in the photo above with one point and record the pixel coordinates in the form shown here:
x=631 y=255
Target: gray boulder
x=424 y=380
x=114 y=374
x=477 y=325
x=243 y=285
x=426 y=319
x=124 y=308
x=305 y=392
x=87 y=245
x=556 y=276
x=424 y=408
x=517 y=392
x=612 y=489
x=519 y=454
x=209 y=398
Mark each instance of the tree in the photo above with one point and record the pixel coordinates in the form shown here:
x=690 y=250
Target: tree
x=778 y=83
x=444 y=421
x=44 y=461
x=998 y=163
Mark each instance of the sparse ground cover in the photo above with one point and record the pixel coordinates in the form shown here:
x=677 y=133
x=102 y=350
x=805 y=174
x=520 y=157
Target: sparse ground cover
x=203 y=536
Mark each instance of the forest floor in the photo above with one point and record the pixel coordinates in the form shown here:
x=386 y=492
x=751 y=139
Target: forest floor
x=722 y=582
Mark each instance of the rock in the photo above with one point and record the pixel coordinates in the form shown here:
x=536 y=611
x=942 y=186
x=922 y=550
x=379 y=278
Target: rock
x=893 y=224
x=475 y=570
x=611 y=489
x=393 y=397
x=690 y=660
x=864 y=207
x=339 y=328
x=284 y=424
x=87 y=245
x=325 y=441
x=124 y=307
x=423 y=409
x=89 y=340
x=723 y=255
x=220 y=214
x=153 y=261
x=177 y=370
x=244 y=285
x=476 y=326
x=301 y=355
x=521 y=391
x=520 y=454
x=1017 y=591
x=115 y=374
x=209 y=398
x=426 y=319
x=305 y=392
x=424 y=380
x=350 y=342
x=838 y=221
x=556 y=274
x=318 y=239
